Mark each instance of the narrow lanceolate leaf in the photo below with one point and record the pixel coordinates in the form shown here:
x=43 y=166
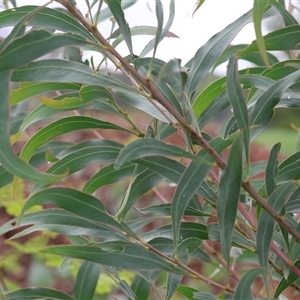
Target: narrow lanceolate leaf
x=60 y=127
x=33 y=45
x=29 y=89
x=286 y=282
x=118 y=13
x=288 y=18
x=160 y=21
x=140 y=185
x=126 y=256
x=263 y=110
x=266 y=223
x=228 y=198
x=259 y=8
x=37 y=293
x=243 y=288
x=66 y=103
x=150 y=46
x=60 y=221
x=76 y=202
x=190 y=182
x=238 y=104
x=184 y=248
x=150 y=147
x=57 y=70
x=8 y=159
x=289 y=168
x=82 y=155
x=272 y=169
x=86 y=280
x=286 y=38
x=199 y=4
x=108 y=175
x=46 y=18
x=209 y=53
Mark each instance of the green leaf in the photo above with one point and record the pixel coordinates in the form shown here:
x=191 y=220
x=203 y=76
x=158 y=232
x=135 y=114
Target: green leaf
x=207 y=55
x=140 y=185
x=138 y=30
x=126 y=256
x=286 y=282
x=288 y=18
x=199 y=4
x=263 y=110
x=37 y=293
x=186 y=291
x=118 y=13
x=259 y=8
x=215 y=89
x=203 y=296
x=289 y=168
x=286 y=38
x=76 y=202
x=57 y=70
x=266 y=223
x=29 y=89
x=61 y=127
x=141 y=102
x=8 y=159
x=86 y=280
x=140 y=287
x=228 y=197
x=46 y=18
x=160 y=21
x=150 y=147
x=238 y=104
x=243 y=288
x=60 y=221
x=165 y=210
x=150 y=46
x=78 y=157
x=184 y=248
x=108 y=175
x=186 y=230
x=33 y=45
x=272 y=169
x=189 y=183
x=106 y=13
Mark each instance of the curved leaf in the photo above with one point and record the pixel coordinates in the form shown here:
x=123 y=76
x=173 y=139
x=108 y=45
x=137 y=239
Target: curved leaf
x=140 y=185
x=57 y=70
x=207 y=55
x=272 y=169
x=37 y=293
x=8 y=159
x=60 y=127
x=33 y=45
x=76 y=202
x=266 y=223
x=243 y=288
x=150 y=147
x=29 y=89
x=86 y=280
x=229 y=195
x=129 y=257
x=190 y=182
x=238 y=104
x=150 y=46
x=118 y=13
x=46 y=18
x=259 y=8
